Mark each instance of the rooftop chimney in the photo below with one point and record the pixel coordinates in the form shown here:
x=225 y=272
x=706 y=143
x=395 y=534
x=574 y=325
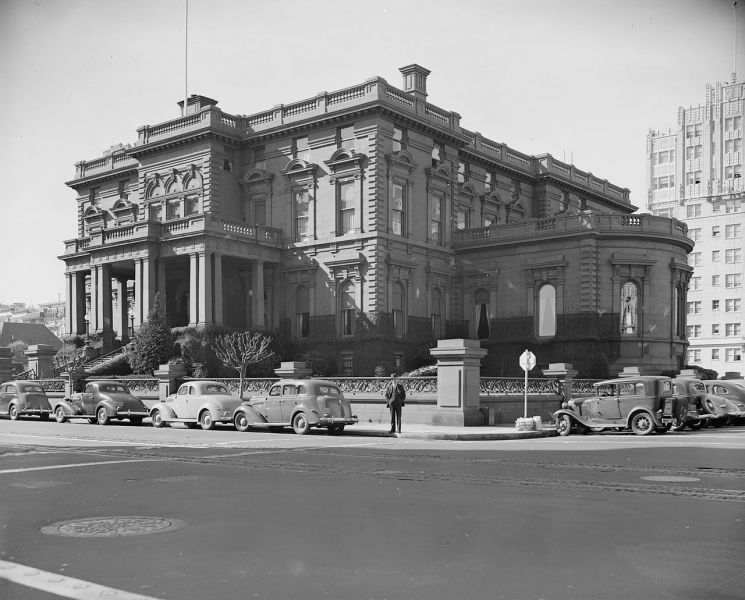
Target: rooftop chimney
x=415 y=80
x=195 y=104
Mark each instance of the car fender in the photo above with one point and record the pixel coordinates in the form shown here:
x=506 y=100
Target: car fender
x=216 y=410
x=253 y=416
x=311 y=415
x=71 y=409
x=108 y=405
x=165 y=410
x=636 y=410
x=573 y=416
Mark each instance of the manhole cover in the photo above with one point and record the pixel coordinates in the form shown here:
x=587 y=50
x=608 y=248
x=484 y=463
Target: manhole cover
x=670 y=478
x=112 y=526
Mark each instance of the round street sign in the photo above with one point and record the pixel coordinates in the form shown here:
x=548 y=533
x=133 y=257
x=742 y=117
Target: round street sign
x=527 y=360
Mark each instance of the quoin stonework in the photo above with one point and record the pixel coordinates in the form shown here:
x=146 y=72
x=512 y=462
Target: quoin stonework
x=367 y=224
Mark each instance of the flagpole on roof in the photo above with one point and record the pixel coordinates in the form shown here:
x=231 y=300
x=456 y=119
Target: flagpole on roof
x=186 y=56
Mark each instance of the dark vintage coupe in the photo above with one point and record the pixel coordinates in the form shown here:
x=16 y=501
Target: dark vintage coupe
x=100 y=402
x=643 y=404
x=730 y=395
x=21 y=398
x=297 y=403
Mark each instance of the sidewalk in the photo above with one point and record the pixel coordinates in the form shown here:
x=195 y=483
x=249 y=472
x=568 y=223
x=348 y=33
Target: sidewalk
x=441 y=432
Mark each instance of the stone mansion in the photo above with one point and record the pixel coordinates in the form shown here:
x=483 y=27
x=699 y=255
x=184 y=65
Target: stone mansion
x=366 y=224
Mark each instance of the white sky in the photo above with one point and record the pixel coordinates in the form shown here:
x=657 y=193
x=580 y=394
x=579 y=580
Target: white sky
x=579 y=79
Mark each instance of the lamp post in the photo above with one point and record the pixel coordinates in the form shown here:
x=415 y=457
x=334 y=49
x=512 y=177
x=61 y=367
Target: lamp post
x=131 y=326
x=87 y=318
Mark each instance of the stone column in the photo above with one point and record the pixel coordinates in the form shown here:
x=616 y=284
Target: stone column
x=104 y=303
x=73 y=381
x=6 y=360
x=217 y=295
x=123 y=320
x=205 y=288
x=193 y=289
x=169 y=378
x=458 y=382
x=93 y=315
x=257 y=296
x=565 y=374
x=69 y=304
x=40 y=360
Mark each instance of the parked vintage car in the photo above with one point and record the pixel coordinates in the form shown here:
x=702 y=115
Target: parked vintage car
x=643 y=404
x=730 y=393
x=700 y=412
x=202 y=403
x=21 y=398
x=101 y=401
x=299 y=403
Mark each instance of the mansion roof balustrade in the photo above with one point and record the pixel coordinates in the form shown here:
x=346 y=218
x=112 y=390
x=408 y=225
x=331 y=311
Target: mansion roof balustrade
x=189 y=226
x=582 y=223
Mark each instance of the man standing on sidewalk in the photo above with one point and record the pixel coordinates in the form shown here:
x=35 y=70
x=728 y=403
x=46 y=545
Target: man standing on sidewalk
x=395 y=395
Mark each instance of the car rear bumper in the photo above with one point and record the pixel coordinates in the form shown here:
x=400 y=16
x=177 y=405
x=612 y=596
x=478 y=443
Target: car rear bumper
x=337 y=421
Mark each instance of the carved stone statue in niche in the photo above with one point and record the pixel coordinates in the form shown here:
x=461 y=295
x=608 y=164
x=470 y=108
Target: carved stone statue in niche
x=628 y=311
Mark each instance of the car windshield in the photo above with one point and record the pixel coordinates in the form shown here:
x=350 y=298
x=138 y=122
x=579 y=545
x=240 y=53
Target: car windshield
x=216 y=389
x=112 y=387
x=31 y=388
x=329 y=390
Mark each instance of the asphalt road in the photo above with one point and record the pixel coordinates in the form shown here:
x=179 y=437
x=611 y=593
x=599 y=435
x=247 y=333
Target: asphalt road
x=135 y=513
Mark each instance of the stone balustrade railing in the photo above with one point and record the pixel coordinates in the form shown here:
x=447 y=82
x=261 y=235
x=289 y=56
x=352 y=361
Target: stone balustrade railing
x=569 y=224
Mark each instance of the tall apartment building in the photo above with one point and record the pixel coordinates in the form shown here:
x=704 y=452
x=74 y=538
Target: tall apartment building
x=367 y=223
x=695 y=174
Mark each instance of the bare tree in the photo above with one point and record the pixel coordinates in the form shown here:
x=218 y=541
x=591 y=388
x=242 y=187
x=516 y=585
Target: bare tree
x=242 y=348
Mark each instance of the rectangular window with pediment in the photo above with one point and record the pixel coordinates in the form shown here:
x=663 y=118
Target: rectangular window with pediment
x=398 y=209
x=191 y=205
x=301 y=207
x=435 y=218
x=346 y=201
x=463 y=218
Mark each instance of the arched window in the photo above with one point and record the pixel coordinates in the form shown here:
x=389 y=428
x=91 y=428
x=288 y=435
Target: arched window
x=347 y=307
x=436 y=314
x=482 y=314
x=398 y=304
x=629 y=301
x=302 y=314
x=547 y=310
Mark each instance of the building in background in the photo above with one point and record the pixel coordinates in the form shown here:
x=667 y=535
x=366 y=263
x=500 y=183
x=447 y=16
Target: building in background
x=695 y=174
x=366 y=224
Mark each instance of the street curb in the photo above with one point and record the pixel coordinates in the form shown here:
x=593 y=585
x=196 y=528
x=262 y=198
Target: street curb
x=455 y=436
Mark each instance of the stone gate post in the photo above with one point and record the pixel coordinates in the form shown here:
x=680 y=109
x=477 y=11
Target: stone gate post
x=458 y=382
x=565 y=374
x=169 y=377
x=40 y=360
x=6 y=361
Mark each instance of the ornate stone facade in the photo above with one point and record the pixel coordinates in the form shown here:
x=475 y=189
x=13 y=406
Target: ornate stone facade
x=367 y=223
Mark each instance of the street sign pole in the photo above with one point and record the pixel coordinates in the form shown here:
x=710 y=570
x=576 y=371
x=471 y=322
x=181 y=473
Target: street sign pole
x=527 y=362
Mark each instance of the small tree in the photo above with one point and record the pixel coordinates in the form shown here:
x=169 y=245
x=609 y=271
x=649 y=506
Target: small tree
x=151 y=345
x=18 y=348
x=242 y=348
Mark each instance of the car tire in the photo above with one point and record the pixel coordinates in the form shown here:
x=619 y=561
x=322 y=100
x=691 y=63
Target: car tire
x=642 y=423
x=205 y=420
x=157 y=419
x=300 y=424
x=59 y=415
x=241 y=421
x=13 y=412
x=563 y=425
x=102 y=417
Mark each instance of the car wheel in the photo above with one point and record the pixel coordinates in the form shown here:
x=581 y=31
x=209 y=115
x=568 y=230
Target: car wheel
x=157 y=419
x=59 y=415
x=300 y=424
x=241 y=422
x=696 y=425
x=563 y=425
x=135 y=420
x=205 y=420
x=642 y=424
x=102 y=416
x=13 y=412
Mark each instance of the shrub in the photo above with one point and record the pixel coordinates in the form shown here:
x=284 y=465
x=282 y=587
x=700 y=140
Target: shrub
x=152 y=344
